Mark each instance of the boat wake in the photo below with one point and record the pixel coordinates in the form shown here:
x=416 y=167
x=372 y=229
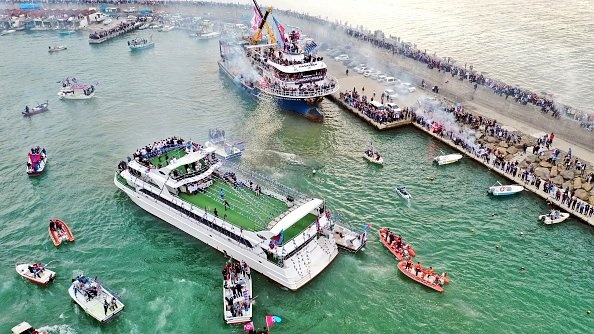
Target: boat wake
x=58 y=329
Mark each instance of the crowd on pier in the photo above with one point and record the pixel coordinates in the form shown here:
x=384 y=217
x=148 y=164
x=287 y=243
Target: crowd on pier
x=382 y=115
x=121 y=27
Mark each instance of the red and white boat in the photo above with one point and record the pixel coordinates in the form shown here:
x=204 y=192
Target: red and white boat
x=35 y=272
x=434 y=282
x=398 y=253
x=59 y=231
x=37 y=161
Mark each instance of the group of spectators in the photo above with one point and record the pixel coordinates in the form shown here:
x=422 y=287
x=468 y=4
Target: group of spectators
x=380 y=114
x=121 y=27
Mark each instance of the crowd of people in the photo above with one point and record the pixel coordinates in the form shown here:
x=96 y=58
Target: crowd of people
x=238 y=299
x=382 y=115
x=121 y=27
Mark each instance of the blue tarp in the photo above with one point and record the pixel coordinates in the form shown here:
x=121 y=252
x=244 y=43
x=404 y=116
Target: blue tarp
x=146 y=11
x=27 y=6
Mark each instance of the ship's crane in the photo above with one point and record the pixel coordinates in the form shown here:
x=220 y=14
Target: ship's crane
x=258 y=35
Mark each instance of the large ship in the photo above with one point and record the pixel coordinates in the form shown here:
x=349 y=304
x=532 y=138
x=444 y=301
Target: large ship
x=280 y=233
x=282 y=68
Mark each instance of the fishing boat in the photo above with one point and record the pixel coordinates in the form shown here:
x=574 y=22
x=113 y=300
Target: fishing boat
x=37 y=161
x=94 y=298
x=35 y=272
x=504 y=190
x=59 y=231
x=285 y=70
x=66 y=32
x=25 y=328
x=447 y=159
x=224 y=150
x=402 y=192
x=434 y=282
x=43 y=107
x=554 y=217
x=72 y=89
x=237 y=294
x=166 y=28
x=389 y=239
x=140 y=44
x=56 y=48
x=348 y=240
x=372 y=155
x=206 y=30
x=246 y=215
x=7 y=31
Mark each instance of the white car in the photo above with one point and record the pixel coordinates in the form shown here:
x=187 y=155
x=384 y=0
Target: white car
x=375 y=74
x=410 y=88
x=367 y=73
x=342 y=57
x=391 y=93
x=394 y=107
x=360 y=69
x=381 y=77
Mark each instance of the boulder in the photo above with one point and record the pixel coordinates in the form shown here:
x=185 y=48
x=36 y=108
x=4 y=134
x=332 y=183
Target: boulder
x=533 y=165
x=479 y=135
x=545 y=164
x=577 y=183
x=567 y=185
x=503 y=144
x=523 y=164
x=567 y=174
x=591 y=200
x=509 y=157
x=491 y=140
x=542 y=172
x=558 y=180
x=587 y=186
x=530 y=158
x=503 y=150
x=554 y=171
x=581 y=194
x=512 y=150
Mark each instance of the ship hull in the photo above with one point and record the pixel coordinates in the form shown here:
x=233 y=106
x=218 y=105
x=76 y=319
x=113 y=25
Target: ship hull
x=307 y=108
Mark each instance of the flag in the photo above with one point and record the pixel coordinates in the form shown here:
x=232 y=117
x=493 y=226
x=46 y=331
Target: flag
x=366 y=227
x=279 y=33
x=272 y=319
x=248 y=327
x=256 y=19
x=277 y=239
x=310 y=47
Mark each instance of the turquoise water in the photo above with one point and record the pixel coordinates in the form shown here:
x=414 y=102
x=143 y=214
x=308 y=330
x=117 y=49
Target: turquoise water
x=170 y=282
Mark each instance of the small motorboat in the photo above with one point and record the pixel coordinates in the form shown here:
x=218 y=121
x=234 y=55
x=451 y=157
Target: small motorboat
x=554 y=217
x=43 y=107
x=140 y=44
x=66 y=32
x=422 y=276
x=243 y=296
x=94 y=298
x=7 y=31
x=347 y=239
x=25 y=328
x=447 y=159
x=401 y=190
x=504 y=190
x=35 y=272
x=107 y=21
x=37 y=161
x=392 y=245
x=59 y=231
x=372 y=155
x=56 y=48
x=73 y=89
x=166 y=28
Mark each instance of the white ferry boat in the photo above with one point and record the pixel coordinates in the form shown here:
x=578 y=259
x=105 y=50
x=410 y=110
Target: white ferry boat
x=275 y=230
x=285 y=70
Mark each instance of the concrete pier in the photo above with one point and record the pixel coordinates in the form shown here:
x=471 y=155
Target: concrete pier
x=121 y=31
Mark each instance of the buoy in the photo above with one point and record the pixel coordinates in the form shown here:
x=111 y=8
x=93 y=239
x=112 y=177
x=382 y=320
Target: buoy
x=521 y=233
x=522 y=268
x=498 y=246
x=589 y=311
x=314 y=172
x=472 y=230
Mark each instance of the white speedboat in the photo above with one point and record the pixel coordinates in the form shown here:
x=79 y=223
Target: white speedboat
x=224 y=150
x=237 y=297
x=554 y=217
x=94 y=299
x=7 y=31
x=56 y=48
x=504 y=190
x=372 y=155
x=166 y=28
x=206 y=31
x=35 y=272
x=25 y=328
x=401 y=190
x=72 y=89
x=272 y=228
x=140 y=44
x=447 y=159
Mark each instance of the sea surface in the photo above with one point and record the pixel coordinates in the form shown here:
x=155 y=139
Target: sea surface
x=544 y=46
x=509 y=273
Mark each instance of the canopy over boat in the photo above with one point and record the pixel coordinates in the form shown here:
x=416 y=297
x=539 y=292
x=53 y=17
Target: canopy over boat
x=295 y=215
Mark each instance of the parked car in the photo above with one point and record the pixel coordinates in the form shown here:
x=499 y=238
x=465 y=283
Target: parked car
x=360 y=69
x=381 y=77
x=394 y=107
x=375 y=74
x=391 y=93
x=341 y=57
x=409 y=87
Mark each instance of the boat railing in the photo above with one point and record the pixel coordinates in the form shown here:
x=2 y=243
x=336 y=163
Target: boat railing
x=302 y=93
